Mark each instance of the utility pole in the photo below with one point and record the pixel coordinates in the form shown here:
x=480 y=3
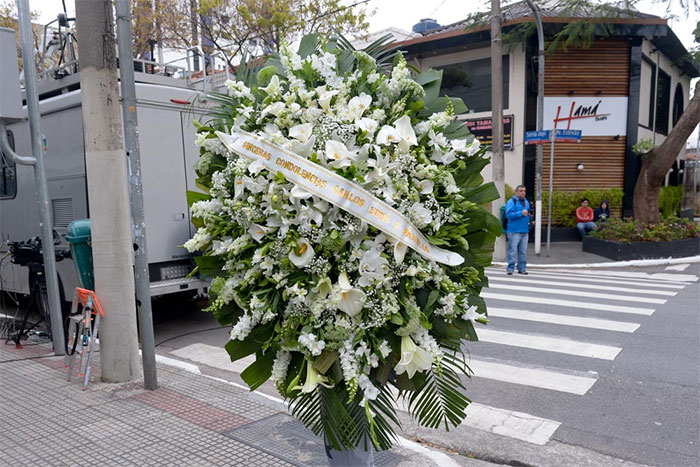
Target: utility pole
x=195 y=33
x=37 y=161
x=107 y=191
x=497 y=160
x=540 y=123
x=138 y=220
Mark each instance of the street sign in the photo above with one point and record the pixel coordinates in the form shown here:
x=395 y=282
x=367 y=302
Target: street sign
x=568 y=136
x=537 y=137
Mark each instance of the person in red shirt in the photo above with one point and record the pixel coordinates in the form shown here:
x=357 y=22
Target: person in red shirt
x=584 y=218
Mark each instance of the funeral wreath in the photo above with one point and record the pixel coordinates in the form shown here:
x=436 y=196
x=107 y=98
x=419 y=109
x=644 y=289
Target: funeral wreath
x=342 y=222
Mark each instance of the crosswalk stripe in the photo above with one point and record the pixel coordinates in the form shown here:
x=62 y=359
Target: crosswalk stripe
x=610 y=281
x=568 y=303
x=605 y=276
x=517 y=425
x=534 y=377
x=549 y=344
x=578 y=321
x=578 y=293
x=685 y=279
x=577 y=285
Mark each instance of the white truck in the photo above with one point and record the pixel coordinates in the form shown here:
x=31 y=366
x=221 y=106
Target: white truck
x=168 y=99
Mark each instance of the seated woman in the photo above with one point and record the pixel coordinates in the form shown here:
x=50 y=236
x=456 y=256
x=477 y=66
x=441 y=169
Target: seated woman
x=584 y=218
x=602 y=213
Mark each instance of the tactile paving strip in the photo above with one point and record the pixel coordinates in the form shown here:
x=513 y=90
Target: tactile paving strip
x=288 y=439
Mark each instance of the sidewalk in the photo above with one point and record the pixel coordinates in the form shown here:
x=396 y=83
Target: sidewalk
x=563 y=253
x=191 y=420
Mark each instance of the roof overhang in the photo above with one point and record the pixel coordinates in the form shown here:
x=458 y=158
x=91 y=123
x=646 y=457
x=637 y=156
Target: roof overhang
x=654 y=29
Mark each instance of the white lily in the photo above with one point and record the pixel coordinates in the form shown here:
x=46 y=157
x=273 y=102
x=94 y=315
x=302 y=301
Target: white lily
x=399 y=251
x=303 y=255
x=381 y=166
x=303 y=149
x=273 y=87
x=274 y=109
x=238 y=187
x=313 y=379
x=323 y=287
x=388 y=135
x=324 y=99
x=338 y=154
x=405 y=129
x=299 y=193
x=301 y=132
x=258 y=231
x=413 y=358
x=474 y=147
x=472 y=315
x=353 y=299
x=425 y=186
x=367 y=124
x=446 y=158
x=421 y=214
x=359 y=104
x=372 y=268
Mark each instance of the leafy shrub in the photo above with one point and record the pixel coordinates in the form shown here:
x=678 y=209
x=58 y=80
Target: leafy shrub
x=510 y=192
x=670 y=198
x=564 y=203
x=631 y=231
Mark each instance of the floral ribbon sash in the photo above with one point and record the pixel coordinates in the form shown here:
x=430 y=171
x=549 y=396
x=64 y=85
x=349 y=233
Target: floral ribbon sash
x=337 y=190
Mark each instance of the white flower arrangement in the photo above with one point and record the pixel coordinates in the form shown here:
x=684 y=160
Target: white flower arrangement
x=332 y=307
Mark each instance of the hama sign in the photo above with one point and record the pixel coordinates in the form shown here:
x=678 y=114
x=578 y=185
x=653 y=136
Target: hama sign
x=482 y=128
x=595 y=116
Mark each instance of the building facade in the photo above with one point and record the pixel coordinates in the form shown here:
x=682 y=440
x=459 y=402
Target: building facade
x=631 y=85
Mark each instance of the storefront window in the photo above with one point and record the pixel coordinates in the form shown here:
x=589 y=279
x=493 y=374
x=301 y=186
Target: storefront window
x=663 y=103
x=471 y=81
x=677 y=104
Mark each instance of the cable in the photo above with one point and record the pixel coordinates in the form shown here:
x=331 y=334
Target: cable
x=186 y=334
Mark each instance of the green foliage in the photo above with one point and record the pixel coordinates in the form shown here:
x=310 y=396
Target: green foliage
x=565 y=203
x=642 y=147
x=510 y=192
x=670 y=198
x=631 y=231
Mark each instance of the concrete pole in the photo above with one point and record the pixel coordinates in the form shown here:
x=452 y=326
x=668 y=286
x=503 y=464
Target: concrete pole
x=540 y=124
x=107 y=191
x=138 y=220
x=551 y=188
x=497 y=160
x=42 y=191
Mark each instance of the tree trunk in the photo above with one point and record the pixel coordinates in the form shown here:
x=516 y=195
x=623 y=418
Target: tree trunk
x=657 y=163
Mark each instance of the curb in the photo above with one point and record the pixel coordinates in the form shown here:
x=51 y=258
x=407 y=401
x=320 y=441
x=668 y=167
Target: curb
x=435 y=455
x=614 y=264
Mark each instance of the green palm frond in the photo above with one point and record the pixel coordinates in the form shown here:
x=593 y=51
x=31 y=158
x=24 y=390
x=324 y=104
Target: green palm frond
x=441 y=400
x=346 y=423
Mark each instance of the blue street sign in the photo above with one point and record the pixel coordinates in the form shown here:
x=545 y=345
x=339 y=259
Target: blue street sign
x=537 y=137
x=568 y=136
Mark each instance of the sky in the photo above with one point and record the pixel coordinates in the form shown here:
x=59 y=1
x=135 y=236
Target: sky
x=405 y=13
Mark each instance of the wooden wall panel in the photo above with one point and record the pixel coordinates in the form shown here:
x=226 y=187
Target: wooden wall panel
x=602 y=69
x=603 y=159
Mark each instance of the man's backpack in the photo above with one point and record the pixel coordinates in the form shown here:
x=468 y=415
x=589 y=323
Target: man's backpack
x=504 y=219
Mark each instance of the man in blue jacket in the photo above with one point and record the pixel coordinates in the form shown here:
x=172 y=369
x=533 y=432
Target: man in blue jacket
x=518 y=215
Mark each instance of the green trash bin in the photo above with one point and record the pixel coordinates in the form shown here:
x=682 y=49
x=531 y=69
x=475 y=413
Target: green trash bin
x=80 y=239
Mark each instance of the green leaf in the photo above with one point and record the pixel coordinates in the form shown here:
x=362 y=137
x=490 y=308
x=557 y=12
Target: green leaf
x=482 y=194
x=259 y=371
x=441 y=401
x=430 y=80
x=209 y=266
x=308 y=45
x=194 y=196
x=265 y=75
x=251 y=344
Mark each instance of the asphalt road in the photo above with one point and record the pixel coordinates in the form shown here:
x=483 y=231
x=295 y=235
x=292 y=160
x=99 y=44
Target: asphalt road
x=618 y=374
